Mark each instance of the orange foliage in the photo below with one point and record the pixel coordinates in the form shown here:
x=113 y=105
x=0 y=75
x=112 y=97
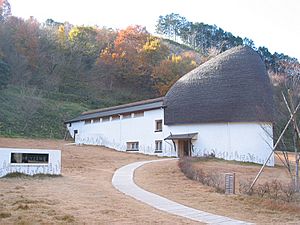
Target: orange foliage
x=131 y=40
x=170 y=70
x=126 y=51
x=26 y=40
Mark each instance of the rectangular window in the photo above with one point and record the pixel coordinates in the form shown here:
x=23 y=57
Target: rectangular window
x=105 y=119
x=96 y=120
x=126 y=115
x=138 y=114
x=115 y=117
x=29 y=158
x=132 y=146
x=158 y=125
x=158 y=146
x=87 y=121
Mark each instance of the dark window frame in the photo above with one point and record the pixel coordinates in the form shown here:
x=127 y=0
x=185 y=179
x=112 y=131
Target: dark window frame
x=29 y=158
x=87 y=121
x=96 y=120
x=138 y=114
x=126 y=116
x=105 y=119
x=133 y=146
x=115 y=117
x=158 y=147
x=157 y=128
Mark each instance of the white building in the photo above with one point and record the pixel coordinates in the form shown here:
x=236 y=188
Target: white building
x=224 y=107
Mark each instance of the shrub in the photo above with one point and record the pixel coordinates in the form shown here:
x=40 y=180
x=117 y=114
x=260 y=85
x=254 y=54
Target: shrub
x=210 y=179
x=274 y=190
x=5 y=214
x=23 y=175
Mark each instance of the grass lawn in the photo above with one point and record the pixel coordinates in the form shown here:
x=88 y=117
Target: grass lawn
x=167 y=180
x=82 y=195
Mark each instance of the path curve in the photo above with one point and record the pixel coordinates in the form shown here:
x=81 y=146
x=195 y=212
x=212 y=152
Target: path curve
x=123 y=181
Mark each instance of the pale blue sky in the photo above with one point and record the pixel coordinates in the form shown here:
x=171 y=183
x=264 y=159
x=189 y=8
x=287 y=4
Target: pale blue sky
x=271 y=23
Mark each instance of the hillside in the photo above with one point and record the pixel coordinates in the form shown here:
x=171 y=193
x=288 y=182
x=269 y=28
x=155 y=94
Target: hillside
x=52 y=71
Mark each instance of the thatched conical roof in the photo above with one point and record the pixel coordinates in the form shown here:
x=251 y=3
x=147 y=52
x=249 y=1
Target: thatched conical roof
x=232 y=87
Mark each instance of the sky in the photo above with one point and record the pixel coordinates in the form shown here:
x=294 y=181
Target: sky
x=274 y=24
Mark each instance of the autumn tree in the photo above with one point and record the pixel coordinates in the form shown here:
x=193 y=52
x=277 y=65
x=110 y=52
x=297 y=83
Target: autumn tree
x=171 y=69
x=128 y=56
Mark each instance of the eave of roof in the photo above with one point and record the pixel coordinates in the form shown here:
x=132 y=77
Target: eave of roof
x=120 y=109
x=187 y=136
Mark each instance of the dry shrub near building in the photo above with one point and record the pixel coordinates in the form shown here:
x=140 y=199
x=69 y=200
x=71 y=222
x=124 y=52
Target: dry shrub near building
x=210 y=179
x=274 y=190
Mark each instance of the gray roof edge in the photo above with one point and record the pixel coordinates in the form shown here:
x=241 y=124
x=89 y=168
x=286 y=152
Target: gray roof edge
x=181 y=136
x=119 y=110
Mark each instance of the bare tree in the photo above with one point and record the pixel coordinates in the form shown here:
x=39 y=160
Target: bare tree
x=287 y=109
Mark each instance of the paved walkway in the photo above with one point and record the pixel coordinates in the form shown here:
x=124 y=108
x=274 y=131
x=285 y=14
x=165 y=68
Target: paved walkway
x=123 y=181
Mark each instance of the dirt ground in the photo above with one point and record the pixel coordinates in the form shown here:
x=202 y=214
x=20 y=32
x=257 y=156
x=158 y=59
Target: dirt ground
x=167 y=180
x=83 y=195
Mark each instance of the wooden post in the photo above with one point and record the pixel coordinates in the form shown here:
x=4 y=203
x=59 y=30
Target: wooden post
x=229 y=183
x=296 y=136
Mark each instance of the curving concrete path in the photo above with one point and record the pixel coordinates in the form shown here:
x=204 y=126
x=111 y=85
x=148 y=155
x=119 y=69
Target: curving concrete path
x=123 y=181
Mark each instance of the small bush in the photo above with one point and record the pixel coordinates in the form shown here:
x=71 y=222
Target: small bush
x=15 y=175
x=23 y=175
x=5 y=215
x=66 y=218
x=23 y=207
x=274 y=190
x=210 y=179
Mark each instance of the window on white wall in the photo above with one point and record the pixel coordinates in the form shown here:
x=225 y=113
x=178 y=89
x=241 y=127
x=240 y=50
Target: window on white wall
x=126 y=115
x=115 y=117
x=87 y=121
x=29 y=158
x=158 y=125
x=138 y=114
x=105 y=119
x=158 y=145
x=96 y=120
x=132 y=146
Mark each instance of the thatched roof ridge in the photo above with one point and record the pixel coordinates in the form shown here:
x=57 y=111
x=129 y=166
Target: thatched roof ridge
x=232 y=87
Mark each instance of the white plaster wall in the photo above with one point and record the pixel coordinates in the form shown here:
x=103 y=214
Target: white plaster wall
x=75 y=126
x=115 y=134
x=247 y=142
x=231 y=141
x=53 y=167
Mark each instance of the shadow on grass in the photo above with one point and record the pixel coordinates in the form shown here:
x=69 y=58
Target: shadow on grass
x=215 y=159
x=23 y=175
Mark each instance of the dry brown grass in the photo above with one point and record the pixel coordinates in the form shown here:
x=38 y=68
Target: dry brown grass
x=167 y=180
x=279 y=158
x=83 y=195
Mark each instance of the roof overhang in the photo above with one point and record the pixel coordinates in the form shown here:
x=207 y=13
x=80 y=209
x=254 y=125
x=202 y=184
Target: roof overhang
x=188 y=136
x=145 y=105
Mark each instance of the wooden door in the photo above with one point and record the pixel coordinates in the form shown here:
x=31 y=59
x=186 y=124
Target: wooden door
x=184 y=148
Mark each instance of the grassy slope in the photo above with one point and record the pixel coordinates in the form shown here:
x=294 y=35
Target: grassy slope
x=29 y=112
x=26 y=112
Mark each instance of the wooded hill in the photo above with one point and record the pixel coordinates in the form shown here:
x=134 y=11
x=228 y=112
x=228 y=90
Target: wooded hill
x=52 y=71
